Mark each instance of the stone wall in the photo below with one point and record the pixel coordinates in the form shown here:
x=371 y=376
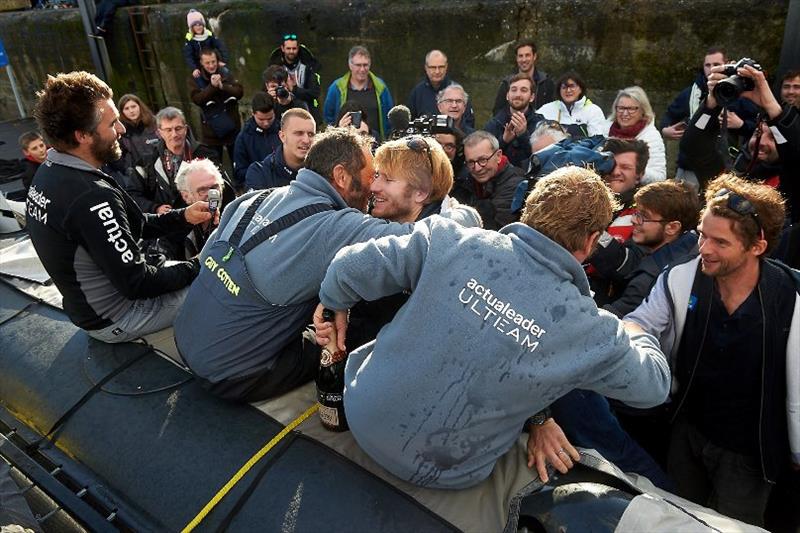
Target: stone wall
x=612 y=43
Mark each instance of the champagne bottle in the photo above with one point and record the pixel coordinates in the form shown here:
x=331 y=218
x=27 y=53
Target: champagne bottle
x=330 y=382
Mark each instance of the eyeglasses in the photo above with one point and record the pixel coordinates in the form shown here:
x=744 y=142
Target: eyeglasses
x=638 y=218
x=176 y=129
x=569 y=86
x=448 y=146
x=436 y=67
x=204 y=190
x=629 y=110
x=419 y=144
x=481 y=161
x=454 y=101
x=741 y=206
x=554 y=125
x=290 y=37
x=360 y=65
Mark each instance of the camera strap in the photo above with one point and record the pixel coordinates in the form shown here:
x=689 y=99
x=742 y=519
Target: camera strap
x=754 y=156
x=724 y=144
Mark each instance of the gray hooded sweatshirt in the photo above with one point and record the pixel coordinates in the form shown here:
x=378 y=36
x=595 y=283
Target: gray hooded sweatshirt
x=497 y=327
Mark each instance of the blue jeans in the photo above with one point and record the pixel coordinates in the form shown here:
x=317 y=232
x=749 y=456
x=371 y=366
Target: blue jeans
x=587 y=421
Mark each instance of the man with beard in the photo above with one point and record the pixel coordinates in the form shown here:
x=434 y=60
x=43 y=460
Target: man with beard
x=514 y=124
x=412 y=178
x=85 y=228
x=216 y=92
x=281 y=166
x=303 y=69
x=663 y=230
x=730 y=320
x=263 y=268
x=790 y=88
x=526 y=56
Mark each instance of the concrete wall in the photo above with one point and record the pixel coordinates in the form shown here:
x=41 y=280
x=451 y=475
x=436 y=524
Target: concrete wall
x=613 y=43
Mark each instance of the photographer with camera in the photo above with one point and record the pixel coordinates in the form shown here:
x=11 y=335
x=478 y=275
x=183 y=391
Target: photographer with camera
x=280 y=86
x=303 y=70
x=772 y=153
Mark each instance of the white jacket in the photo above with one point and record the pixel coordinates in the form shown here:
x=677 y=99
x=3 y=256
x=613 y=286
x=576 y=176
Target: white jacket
x=584 y=112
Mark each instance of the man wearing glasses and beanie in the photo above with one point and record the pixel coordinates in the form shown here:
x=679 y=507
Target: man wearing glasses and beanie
x=730 y=320
x=303 y=68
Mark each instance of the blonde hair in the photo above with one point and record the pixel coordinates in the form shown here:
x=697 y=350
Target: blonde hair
x=397 y=158
x=768 y=203
x=568 y=205
x=636 y=93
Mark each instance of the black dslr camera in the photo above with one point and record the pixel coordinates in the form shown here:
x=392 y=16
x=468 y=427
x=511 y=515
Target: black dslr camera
x=280 y=77
x=430 y=125
x=728 y=90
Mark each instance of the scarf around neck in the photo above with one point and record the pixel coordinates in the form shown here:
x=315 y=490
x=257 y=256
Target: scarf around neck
x=629 y=132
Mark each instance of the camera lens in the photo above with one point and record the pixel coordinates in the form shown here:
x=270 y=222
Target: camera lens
x=728 y=90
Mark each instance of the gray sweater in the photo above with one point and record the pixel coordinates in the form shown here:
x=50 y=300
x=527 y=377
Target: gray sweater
x=497 y=327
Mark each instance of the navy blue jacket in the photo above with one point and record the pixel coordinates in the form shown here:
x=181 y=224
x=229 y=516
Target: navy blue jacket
x=545 y=90
x=422 y=101
x=271 y=172
x=192 y=48
x=519 y=149
x=642 y=274
x=253 y=144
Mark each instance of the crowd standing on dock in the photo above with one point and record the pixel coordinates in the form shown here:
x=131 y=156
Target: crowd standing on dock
x=541 y=274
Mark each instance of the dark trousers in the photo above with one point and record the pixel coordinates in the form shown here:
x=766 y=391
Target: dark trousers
x=104 y=14
x=587 y=421
x=296 y=365
x=727 y=481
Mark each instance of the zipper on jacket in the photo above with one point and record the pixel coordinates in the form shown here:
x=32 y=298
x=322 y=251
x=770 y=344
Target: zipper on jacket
x=696 y=362
x=763 y=383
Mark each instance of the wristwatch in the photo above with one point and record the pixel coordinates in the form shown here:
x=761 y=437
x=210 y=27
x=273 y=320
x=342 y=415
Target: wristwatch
x=539 y=418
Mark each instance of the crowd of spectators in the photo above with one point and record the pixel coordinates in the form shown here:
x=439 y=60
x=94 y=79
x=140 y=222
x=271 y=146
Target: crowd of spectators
x=493 y=177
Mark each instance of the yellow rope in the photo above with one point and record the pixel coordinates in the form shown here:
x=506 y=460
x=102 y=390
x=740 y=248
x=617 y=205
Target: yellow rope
x=246 y=468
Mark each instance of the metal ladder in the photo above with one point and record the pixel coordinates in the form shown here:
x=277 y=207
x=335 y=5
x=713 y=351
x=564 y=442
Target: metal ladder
x=140 y=27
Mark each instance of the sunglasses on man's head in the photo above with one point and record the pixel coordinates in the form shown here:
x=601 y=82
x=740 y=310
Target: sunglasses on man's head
x=419 y=144
x=290 y=37
x=740 y=205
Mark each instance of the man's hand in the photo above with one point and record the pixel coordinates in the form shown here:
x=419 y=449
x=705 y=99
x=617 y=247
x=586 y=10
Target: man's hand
x=346 y=120
x=198 y=212
x=761 y=95
x=715 y=75
x=547 y=443
x=674 y=132
x=196 y=73
x=517 y=125
x=216 y=81
x=324 y=329
x=163 y=208
x=734 y=121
